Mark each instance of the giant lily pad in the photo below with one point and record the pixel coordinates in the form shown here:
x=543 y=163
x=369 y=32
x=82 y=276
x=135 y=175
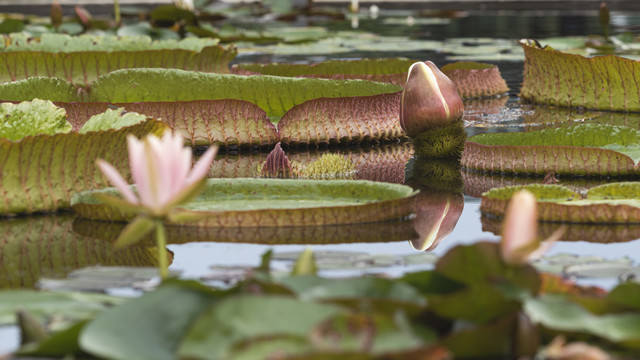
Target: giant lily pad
x=604 y=82
x=39 y=173
x=278 y=202
x=203 y=122
x=610 y=203
x=586 y=149
x=472 y=79
x=82 y=59
x=31 y=247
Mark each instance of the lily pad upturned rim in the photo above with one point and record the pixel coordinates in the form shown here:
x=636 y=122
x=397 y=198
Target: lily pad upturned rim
x=557 y=203
x=396 y=203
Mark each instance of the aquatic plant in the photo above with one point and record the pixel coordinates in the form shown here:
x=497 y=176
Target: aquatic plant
x=431 y=111
x=161 y=171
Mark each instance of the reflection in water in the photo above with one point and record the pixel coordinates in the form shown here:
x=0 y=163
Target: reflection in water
x=336 y=234
x=31 y=247
x=440 y=201
x=600 y=233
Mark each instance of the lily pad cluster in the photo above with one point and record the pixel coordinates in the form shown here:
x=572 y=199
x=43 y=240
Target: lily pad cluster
x=304 y=315
x=40 y=164
x=82 y=59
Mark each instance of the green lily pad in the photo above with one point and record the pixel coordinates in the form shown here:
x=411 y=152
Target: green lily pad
x=585 y=149
x=557 y=78
x=31 y=118
x=278 y=202
x=82 y=59
x=560 y=314
x=40 y=173
x=610 y=203
x=32 y=247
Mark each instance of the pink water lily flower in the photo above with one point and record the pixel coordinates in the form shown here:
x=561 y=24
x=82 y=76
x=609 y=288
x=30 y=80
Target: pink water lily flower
x=520 y=243
x=161 y=170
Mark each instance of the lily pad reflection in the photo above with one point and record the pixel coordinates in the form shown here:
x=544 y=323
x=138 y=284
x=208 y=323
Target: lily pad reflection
x=32 y=247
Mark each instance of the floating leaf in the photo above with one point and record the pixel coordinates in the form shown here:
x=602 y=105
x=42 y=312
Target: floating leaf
x=577 y=150
x=203 y=122
x=118 y=333
x=279 y=202
x=556 y=78
x=40 y=173
x=393 y=70
x=112 y=119
x=610 y=203
x=559 y=314
x=345 y=119
x=31 y=118
x=69 y=307
x=274 y=94
x=473 y=79
x=238 y=319
x=32 y=247
x=82 y=59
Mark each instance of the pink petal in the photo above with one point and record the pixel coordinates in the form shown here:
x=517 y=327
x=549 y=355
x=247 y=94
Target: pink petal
x=201 y=168
x=139 y=171
x=116 y=179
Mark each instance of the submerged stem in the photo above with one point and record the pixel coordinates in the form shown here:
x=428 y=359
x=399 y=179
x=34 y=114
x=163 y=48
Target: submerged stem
x=161 y=243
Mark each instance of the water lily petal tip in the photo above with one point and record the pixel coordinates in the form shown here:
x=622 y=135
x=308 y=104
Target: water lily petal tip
x=520 y=228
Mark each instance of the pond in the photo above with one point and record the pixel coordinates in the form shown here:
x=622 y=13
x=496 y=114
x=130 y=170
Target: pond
x=220 y=256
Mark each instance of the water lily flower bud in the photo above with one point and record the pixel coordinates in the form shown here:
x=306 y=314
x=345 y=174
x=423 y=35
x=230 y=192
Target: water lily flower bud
x=429 y=100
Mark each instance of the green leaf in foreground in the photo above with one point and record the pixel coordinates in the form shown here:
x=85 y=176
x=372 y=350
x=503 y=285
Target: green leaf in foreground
x=278 y=202
x=148 y=328
x=585 y=149
x=238 y=319
x=559 y=314
x=30 y=118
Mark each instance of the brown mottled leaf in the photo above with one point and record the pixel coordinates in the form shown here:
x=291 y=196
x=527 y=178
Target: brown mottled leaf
x=31 y=247
x=347 y=119
x=201 y=122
